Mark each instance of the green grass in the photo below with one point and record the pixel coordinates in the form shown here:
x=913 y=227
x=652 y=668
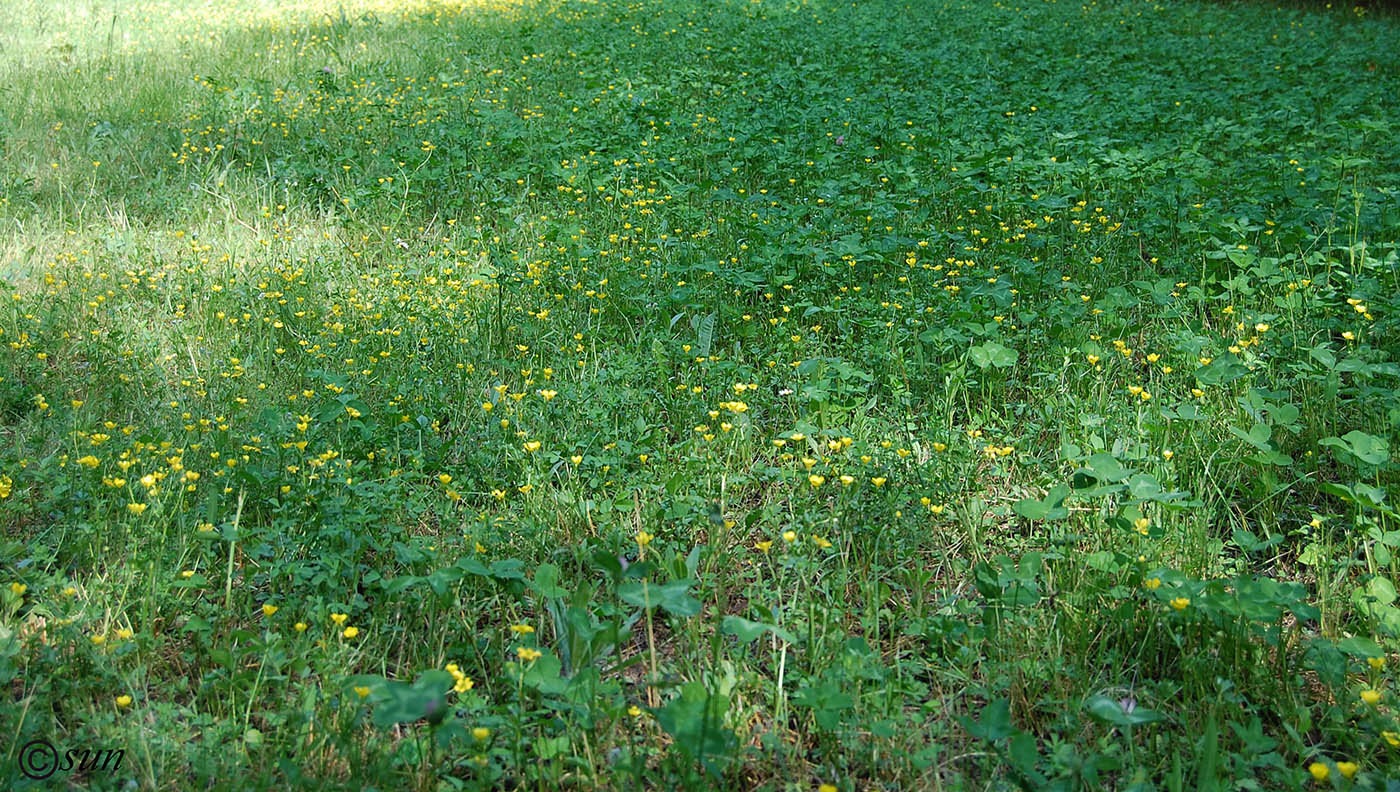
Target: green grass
x=471 y=394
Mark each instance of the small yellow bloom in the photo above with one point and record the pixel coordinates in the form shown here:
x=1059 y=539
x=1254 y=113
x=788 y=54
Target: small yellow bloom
x=532 y=446
x=268 y=609
x=826 y=788
x=1142 y=524
x=18 y=589
x=576 y=458
x=350 y=632
x=634 y=711
x=362 y=691
x=1376 y=662
x=816 y=480
x=878 y=481
x=481 y=733
x=1152 y=584
x=644 y=538
x=1371 y=696
x=526 y=654
x=1319 y=771
x=1181 y=603
x=789 y=536
x=463 y=684
x=444 y=478
x=123 y=701
x=136 y=508
x=521 y=629
x=1392 y=737
x=339 y=618
x=299 y=626
x=1347 y=769
x=764 y=546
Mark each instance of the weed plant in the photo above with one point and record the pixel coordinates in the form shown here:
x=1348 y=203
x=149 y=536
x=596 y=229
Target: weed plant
x=779 y=394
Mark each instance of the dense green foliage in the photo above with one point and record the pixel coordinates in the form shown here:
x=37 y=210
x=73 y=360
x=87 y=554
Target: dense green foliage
x=487 y=394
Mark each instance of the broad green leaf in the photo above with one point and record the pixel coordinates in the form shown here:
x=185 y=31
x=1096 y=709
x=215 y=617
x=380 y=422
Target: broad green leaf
x=1226 y=368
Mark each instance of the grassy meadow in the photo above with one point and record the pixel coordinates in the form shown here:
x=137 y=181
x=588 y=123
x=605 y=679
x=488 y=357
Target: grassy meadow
x=655 y=394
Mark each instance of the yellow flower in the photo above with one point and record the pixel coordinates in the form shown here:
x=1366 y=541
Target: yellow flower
x=940 y=447
x=826 y=788
x=463 y=684
x=268 y=609
x=1141 y=524
x=350 y=632
x=1371 y=696
x=1376 y=662
x=88 y=461
x=765 y=545
x=576 y=458
x=1392 y=737
x=339 y=618
x=1347 y=769
x=526 y=654
x=1152 y=584
x=816 y=481
x=18 y=589
x=123 y=701
x=1180 y=603
x=532 y=446
x=789 y=536
x=136 y=508
x=299 y=626
x=1319 y=771
x=634 y=711
x=481 y=733
x=521 y=629
x=644 y=538
x=878 y=481
x=362 y=691
x=444 y=478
